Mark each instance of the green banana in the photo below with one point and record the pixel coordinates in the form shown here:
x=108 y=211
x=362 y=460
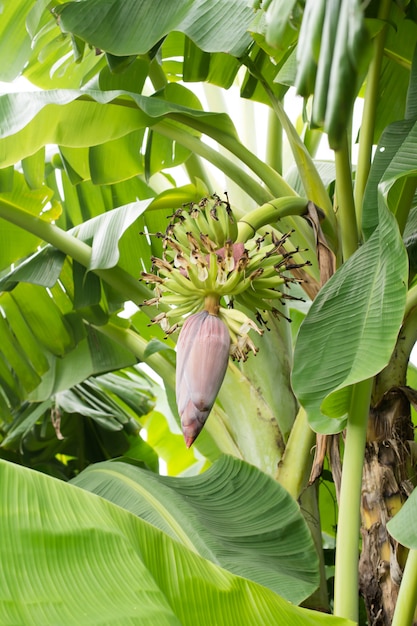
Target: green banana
x=176 y=299
x=265 y=283
x=231 y=283
x=212 y=211
x=252 y=303
x=202 y=222
x=190 y=224
x=179 y=284
x=185 y=309
x=232 y=230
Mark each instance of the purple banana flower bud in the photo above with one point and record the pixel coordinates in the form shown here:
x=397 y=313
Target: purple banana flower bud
x=202 y=358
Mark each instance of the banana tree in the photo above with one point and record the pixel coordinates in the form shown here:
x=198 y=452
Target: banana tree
x=94 y=216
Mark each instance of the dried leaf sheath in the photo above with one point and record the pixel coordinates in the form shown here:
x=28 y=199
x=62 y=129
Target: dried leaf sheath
x=202 y=358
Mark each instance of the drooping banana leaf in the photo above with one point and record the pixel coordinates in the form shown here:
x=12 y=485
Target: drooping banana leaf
x=71 y=557
x=351 y=328
x=212 y=514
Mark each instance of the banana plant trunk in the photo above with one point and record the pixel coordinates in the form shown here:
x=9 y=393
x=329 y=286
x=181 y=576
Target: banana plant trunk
x=385 y=487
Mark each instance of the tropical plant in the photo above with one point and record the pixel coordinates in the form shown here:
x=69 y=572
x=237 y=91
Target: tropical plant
x=111 y=192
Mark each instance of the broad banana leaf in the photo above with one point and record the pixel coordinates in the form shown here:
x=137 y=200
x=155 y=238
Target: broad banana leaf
x=143 y=25
x=351 y=328
x=212 y=514
x=70 y=557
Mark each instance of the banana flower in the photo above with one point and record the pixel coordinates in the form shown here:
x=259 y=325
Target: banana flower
x=202 y=357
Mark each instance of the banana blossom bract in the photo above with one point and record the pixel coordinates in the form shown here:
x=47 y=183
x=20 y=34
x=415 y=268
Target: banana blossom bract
x=202 y=358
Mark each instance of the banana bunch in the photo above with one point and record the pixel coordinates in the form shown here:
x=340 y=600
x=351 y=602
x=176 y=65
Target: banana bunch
x=204 y=268
x=333 y=52
x=211 y=216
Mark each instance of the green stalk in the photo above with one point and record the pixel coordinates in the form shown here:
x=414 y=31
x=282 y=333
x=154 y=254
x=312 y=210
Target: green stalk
x=236 y=173
x=400 y=60
x=346 y=205
x=218 y=101
x=124 y=283
x=366 y=136
x=269 y=213
x=193 y=164
x=407 y=595
x=275 y=183
x=346 y=602
x=195 y=169
x=137 y=345
x=411 y=301
x=313 y=185
x=274 y=142
x=295 y=465
x=293 y=474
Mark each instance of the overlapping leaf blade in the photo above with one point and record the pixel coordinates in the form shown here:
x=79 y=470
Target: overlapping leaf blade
x=79 y=119
x=401 y=39
x=350 y=331
x=394 y=161
x=126 y=27
x=88 y=561
x=213 y=515
x=14 y=36
x=15 y=243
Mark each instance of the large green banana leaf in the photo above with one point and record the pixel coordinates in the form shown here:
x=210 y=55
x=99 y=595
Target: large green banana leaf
x=77 y=118
x=212 y=514
x=143 y=24
x=351 y=328
x=70 y=557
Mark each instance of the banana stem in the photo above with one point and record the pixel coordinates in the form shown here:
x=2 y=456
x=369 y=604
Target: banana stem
x=294 y=467
x=274 y=142
x=344 y=197
x=407 y=596
x=275 y=183
x=269 y=213
x=236 y=173
x=293 y=472
x=313 y=185
x=157 y=74
x=411 y=301
x=219 y=102
x=346 y=602
x=395 y=373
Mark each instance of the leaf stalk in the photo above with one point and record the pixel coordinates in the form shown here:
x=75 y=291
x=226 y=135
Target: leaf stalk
x=346 y=205
x=346 y=602
x=119 y=279
x=407 y=595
